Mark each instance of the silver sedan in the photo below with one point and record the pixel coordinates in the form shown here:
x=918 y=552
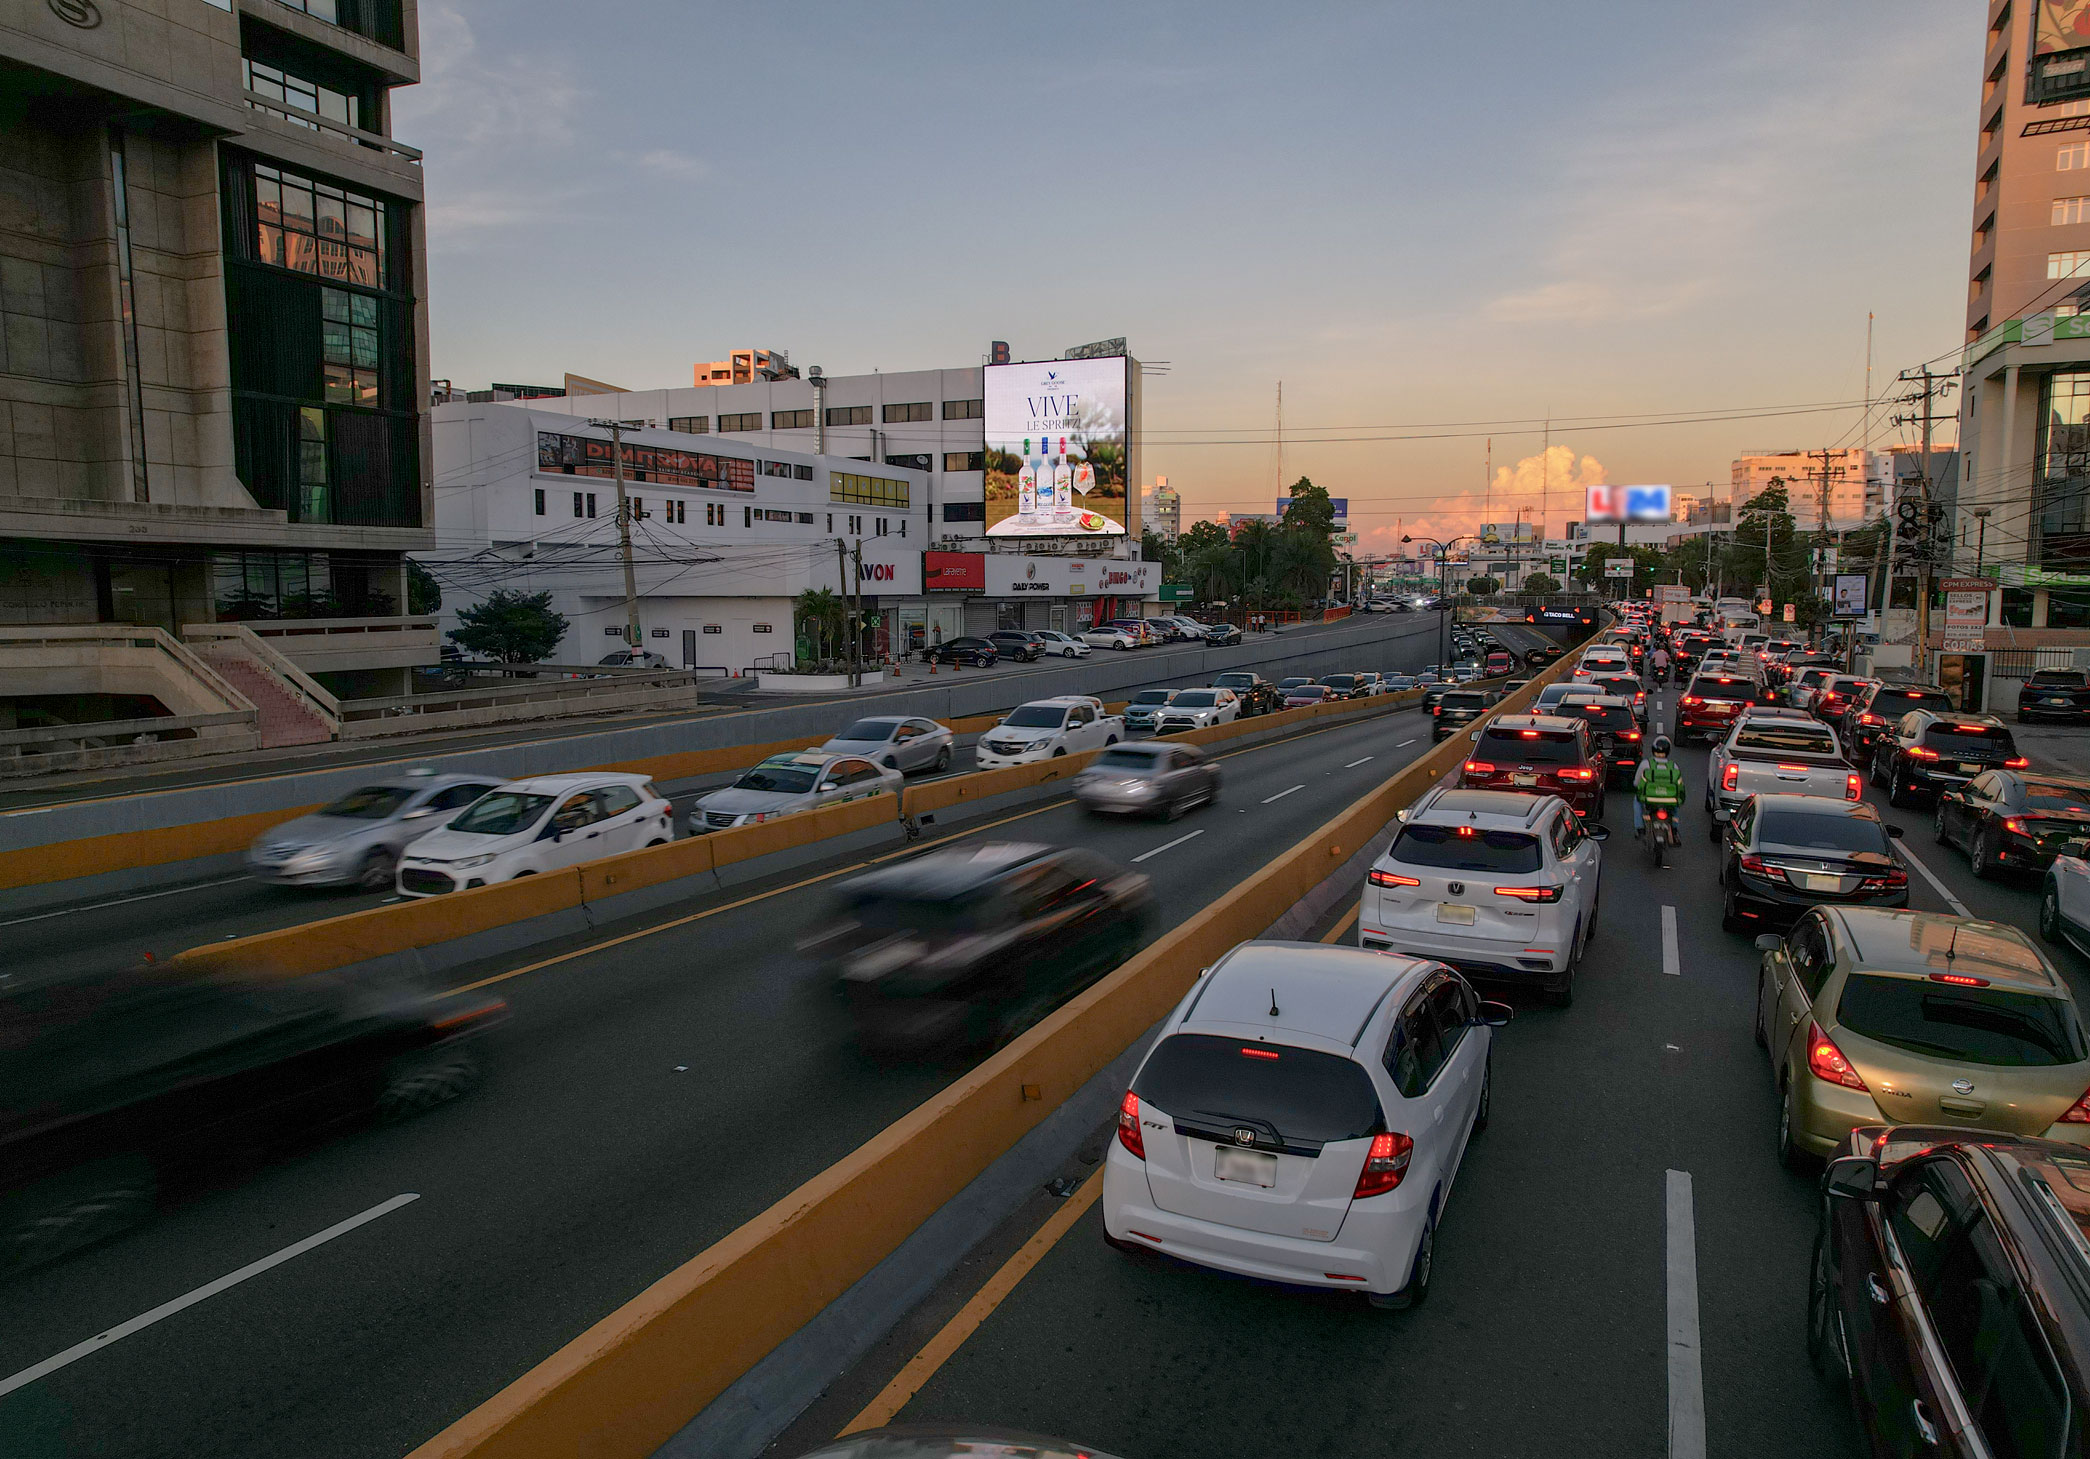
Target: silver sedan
x=897 y=743
x=1151 y=778
x=357 y=839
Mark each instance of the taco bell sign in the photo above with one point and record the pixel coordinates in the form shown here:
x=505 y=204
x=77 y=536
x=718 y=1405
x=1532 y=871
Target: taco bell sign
x=1628 y=504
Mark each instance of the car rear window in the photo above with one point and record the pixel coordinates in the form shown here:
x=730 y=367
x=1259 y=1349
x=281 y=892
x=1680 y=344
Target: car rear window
x=1803 y=832
x=1972 y=738
x=1735 y=690
x=2045 y=795
x=1606 y=716
x=2057 y=679
x=1976 y=1025
x=1300 y=1095
x=1901 y=701
x=1466 y=848
x=1306 y=691
x=1529 y=747
x=1785 y=737
x=1464 y=700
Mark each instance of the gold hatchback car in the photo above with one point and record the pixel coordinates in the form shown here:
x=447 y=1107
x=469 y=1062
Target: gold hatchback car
x=1877 y=1016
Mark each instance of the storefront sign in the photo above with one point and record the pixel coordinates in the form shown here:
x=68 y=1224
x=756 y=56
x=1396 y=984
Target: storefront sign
x=1008 y=575
x=944 y=572
x=1966 y=614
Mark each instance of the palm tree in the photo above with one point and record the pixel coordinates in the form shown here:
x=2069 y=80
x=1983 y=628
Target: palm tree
x=1211 y=569
x=818 y=614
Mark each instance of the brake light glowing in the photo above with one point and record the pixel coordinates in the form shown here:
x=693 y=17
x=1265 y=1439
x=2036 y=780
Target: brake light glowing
x=1922 y=752
x=1870 y=719
x=1479 y=767
x=2077 y=1113
x=1576 y=772
x=1630 y=735
x=1826 y=1062
x=1755 y=863
x=1690 y=699
x=1384 y=1165
x=1959 y=980
x=1527 y=734
x=1888 y=882
x=2017 y=762
x=1270 y=1054
x=1392 y=879
x=1531 y=894
x=1128 y=1126
x=1730 y=777
x=2014 y=826
x=1851 y=787
x=1969 y=729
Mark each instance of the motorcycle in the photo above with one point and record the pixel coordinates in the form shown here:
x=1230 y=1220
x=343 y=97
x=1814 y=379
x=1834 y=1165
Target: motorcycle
x=1659 y=828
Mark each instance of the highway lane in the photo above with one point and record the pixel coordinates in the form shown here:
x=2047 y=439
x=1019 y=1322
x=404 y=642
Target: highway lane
x=643 y=1100
x=1546 y=1331
x=166 y=918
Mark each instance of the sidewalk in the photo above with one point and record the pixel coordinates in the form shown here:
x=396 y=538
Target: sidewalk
x=2054 y=747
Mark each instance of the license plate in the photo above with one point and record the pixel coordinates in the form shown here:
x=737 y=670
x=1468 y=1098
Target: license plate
x=1523 y=780
x=2058 y=701
x=1815 y=881
x=1453 y=912
x=1249 y=1167
x=1966 y=768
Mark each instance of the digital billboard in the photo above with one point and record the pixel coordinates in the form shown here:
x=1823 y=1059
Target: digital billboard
x=1628 y=504
x=2060 y=52
x=2064 y=25
x=1056 y=448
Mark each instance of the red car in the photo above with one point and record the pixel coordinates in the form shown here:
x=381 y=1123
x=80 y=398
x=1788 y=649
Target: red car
x=1500 y=664
x=1711 y=704
x=1540 y=754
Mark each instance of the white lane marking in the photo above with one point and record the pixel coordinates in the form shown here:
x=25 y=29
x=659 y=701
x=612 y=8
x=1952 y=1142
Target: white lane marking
x=1932 y=877
x=1686 y=1375
x=1355 y=763
x=1669 y=958
x=1166 y=845
x=1281 y=794
x=120 y=901
x=1404 y=744
x=144 y=1320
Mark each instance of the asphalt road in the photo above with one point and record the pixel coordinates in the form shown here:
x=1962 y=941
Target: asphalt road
x=645 y=1097
x=1546 y=1331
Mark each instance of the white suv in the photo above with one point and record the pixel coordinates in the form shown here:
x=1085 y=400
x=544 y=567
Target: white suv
x=1189 y=709
x=1301 y=1119
x=1499 y=885
x=1044 y=728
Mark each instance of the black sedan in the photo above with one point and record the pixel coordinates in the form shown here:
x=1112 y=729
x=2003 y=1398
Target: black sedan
x=971 y=945
x=120 y=1087
x=1785 y=853
x=1222 y=635
x=2012 y=818
x=2062 y=694
x=978 y=652
x=1015 y=643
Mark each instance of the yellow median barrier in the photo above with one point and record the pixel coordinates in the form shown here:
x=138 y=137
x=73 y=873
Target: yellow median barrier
x=744 y=843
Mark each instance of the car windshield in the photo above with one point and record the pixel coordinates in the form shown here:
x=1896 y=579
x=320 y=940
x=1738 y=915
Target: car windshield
x=2048 y=795
x=1036 y=716
x=1732 y=690
x=1127 y=758
x=870 y=731
x=1784 y=737
x=1801 y=831
x=1286 y=1093
x=1466 y=848
x=1340 y=681
x=1195 y=699
x=791 y=779
x=371 y=803
x=1967 y=1025
x=1308 y=691
x=1151 y=696
x=1528 y=747
x=1967 y=739
x=502 y=813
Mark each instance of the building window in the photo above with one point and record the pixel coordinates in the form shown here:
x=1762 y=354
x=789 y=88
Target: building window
x=747 y=516
x=915 y=410
x=746 y=421
x=298 y=94
x=591 y=504
x=805 y=519
x=540 y=501
x=869 y=491
x=922 y=462
x=849 y=415
x=2070 y=210
x=856 y=526
x=690 y=425
x=2063 y=109
x=2072 y=265
x=791 y=420
x=881 y=526
x=577 y=505
x=964 y=409
x=348 y=329
x=2072 y=157
x=2062 y=457
x=312 y=465
x=965 y=460
x=777 y=468
x=678 y=513
x=380 y=20
x=318 y=228
x=965 y=511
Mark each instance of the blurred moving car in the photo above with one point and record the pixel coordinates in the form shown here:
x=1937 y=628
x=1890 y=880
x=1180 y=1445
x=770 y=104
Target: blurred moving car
x=798 y=780
x=1932 y=751
x=357 y=839
x=1459 y=708
x=978 y=652
x=1301 y=1117
x=897 y=743
x=121 y=1086
x=2062 y=694
x=969 y=945
x=1781 y=854
x=2013 y=819
x=1949 y=1020
x=1189 y=709
x=1046 y=728
x=1106 y=636
x=1257 y=694
x=1975 y=1237
x=1540 y=755
x=936 y=1441
x=526 y=827
x=1499 y=886
x=1062 y=645
x=1015 y=643
x=1148 y=779
x=1143 y=708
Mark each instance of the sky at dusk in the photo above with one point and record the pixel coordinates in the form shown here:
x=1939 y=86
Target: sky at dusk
x=1437 y=225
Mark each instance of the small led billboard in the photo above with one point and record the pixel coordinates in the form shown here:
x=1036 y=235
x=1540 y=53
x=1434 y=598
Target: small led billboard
x=1628 y=504
x=2060 y=54
x=1056 y=448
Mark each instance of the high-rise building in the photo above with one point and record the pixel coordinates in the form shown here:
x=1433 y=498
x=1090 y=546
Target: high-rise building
x=215 y=385
x=1162 y=509
x=744 y=367
x=1801 y=472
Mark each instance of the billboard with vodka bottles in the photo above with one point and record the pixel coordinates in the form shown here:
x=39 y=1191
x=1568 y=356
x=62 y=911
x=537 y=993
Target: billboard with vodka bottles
x=1057 y=448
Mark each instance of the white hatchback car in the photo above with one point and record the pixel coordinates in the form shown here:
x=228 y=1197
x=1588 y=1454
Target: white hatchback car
x=530 y=826
x=1498 y=884
x=1302 y=1117
x=1116 y=638
x=1066 y=645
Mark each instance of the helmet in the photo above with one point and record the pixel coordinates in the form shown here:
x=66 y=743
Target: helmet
x=1661 y=745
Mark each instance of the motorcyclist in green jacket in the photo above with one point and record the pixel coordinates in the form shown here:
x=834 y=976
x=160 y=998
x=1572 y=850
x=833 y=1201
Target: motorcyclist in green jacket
x=1659 y=779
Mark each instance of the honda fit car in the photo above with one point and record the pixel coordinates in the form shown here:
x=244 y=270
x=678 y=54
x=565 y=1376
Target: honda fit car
x=1301 y=1117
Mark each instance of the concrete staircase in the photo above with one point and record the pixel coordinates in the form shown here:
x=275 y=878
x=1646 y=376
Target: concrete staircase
x=294 y=709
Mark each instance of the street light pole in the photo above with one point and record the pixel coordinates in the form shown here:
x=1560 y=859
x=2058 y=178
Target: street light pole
x=633 y=635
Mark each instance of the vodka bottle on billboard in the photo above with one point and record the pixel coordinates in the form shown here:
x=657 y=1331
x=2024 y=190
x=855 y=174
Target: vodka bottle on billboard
x=1027 y=491
x=1062 y=491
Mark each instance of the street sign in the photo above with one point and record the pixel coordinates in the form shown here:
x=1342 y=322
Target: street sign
x=1175 y=592
x=1790 y=613
x=1619 y=567
x=1849 y=595
x=1966 y=614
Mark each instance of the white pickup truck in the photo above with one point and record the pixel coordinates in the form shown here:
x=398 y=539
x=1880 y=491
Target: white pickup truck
x=1776 y=752
x=1045 y=728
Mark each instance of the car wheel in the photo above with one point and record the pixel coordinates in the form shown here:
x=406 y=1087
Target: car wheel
x=1872 y=769
x=1730 y=911
x=2050 y=912
x=1825 y=1345
x=1897 y=789
x=943 y=758
x=1487 y=1095
x=1059 y=752
x=1124 y=647
x=1789 y=1154
x=1981 y=856
x=425 y=1078
x=1713 y=829
x=378 y=871
x=73 y=1209
x=1418 y=1287
x=1937 y=825
x=1561 y=994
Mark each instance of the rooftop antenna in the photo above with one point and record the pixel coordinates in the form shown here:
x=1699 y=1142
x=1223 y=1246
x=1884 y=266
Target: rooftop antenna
x=1273 y=1003
x=1951 y=949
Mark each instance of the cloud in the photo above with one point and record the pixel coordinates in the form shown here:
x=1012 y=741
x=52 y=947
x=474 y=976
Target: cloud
x=669 y=163
x=1551 y=480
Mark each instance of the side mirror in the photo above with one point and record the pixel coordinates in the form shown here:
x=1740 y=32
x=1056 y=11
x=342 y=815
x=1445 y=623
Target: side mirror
x=1852 y=1178
x=1494 y=1014
x=1770 y=942
x=1597 y=831
x=1894 y=833
x=551 y=832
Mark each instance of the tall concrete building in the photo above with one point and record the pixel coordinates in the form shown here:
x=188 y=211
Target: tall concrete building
x=1802 y=472
x=1162 y=509
x=213 y=366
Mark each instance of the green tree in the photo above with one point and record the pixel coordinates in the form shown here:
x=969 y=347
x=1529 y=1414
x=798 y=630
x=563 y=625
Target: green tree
x=1212 y=571
x=1543 y=584
x=511 y=625
x=1200 y=535
x=1300 y=562
x=1483 y=587
x=818 y=616
x=423 y=593
x=1311 y=509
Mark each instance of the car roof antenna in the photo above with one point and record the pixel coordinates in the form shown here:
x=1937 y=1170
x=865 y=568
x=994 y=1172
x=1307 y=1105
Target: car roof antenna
x=1952 y=946
x=1273 y=1003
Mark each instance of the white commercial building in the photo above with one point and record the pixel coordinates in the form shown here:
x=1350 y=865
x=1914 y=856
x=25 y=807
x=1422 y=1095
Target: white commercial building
x=1853 y=492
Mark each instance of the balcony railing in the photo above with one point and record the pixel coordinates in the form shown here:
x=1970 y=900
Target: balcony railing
x=313 y=121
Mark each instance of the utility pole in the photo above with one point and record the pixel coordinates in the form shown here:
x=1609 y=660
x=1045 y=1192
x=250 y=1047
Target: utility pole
x=856 y=619
x=1932 y=385
x=634 y=636
x=1821 y=521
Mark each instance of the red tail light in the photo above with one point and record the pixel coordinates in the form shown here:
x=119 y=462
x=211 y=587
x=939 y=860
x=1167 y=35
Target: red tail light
x=1959 y=980
x=1532 y=894
x=1576 y=772
x=1630 y=735
x=2077 y=1113
x=2017 y=762
x=1755 y=863
x=1826 y=1062
x=2014 y=826
x=1892 y=881
x=1392 y=879
x=1919 y=752
x=1128 y=1126
x=1479 y=767
x=1730 y=777
x=1851 y=787
x=1384 y=1165
x=1870 y=719
x=1690 y=699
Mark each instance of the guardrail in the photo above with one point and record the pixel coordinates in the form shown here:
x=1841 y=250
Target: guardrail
x=311 y=121
x=114 y=728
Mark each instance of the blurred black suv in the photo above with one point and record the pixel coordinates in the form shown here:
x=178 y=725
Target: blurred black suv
x=1457 y=708
x=1931 y=751
x=1877 y=710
